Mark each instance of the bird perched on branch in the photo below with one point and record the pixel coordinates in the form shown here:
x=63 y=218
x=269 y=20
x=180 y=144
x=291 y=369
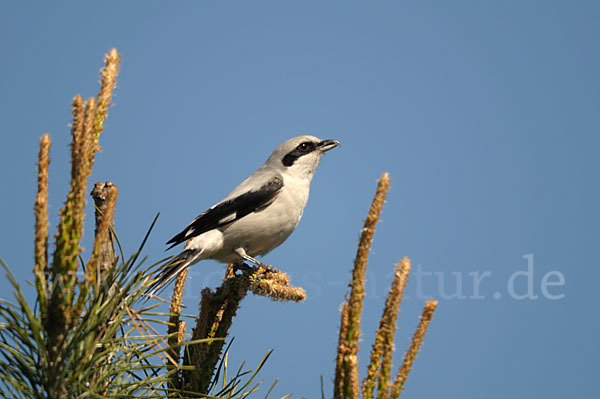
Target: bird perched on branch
x=257 y=217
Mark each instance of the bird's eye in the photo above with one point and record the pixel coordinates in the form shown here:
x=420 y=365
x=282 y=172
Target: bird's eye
x=304 y=146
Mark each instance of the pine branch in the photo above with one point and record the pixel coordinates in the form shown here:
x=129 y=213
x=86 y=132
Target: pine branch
x=41 y=226
x=380 y=365
x=349 y=365
x=412 y=352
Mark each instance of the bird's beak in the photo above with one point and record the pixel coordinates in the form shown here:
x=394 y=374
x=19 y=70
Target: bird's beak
x=327 y=145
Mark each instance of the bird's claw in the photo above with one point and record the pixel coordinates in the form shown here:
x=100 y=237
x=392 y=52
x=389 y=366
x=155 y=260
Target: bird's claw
x=268 y=268
x=244 y=268
x=241 y=267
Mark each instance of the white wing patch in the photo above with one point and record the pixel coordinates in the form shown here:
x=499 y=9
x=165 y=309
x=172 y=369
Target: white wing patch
x=190 y=232
x=228 y=218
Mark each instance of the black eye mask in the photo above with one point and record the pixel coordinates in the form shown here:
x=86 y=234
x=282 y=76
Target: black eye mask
x=302 y=149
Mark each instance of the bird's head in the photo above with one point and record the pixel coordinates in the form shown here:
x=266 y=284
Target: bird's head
x=300 y=155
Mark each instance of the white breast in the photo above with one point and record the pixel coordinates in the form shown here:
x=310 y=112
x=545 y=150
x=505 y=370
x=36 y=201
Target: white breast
x=261 y=232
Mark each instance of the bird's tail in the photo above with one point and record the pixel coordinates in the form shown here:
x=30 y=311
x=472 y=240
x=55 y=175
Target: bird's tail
x=172 y=269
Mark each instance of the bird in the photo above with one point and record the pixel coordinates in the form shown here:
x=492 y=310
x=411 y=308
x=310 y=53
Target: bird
x=256 y=217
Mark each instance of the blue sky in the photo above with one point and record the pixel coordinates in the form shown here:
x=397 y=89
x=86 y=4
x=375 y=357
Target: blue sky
x=484 y=113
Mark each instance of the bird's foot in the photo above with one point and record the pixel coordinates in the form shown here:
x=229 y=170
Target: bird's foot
x=268 y=268
x=241 y=267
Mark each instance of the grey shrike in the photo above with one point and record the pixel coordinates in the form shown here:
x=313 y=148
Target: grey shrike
x=257 y=217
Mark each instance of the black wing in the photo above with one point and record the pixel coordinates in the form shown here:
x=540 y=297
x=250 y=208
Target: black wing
x=229 y=211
